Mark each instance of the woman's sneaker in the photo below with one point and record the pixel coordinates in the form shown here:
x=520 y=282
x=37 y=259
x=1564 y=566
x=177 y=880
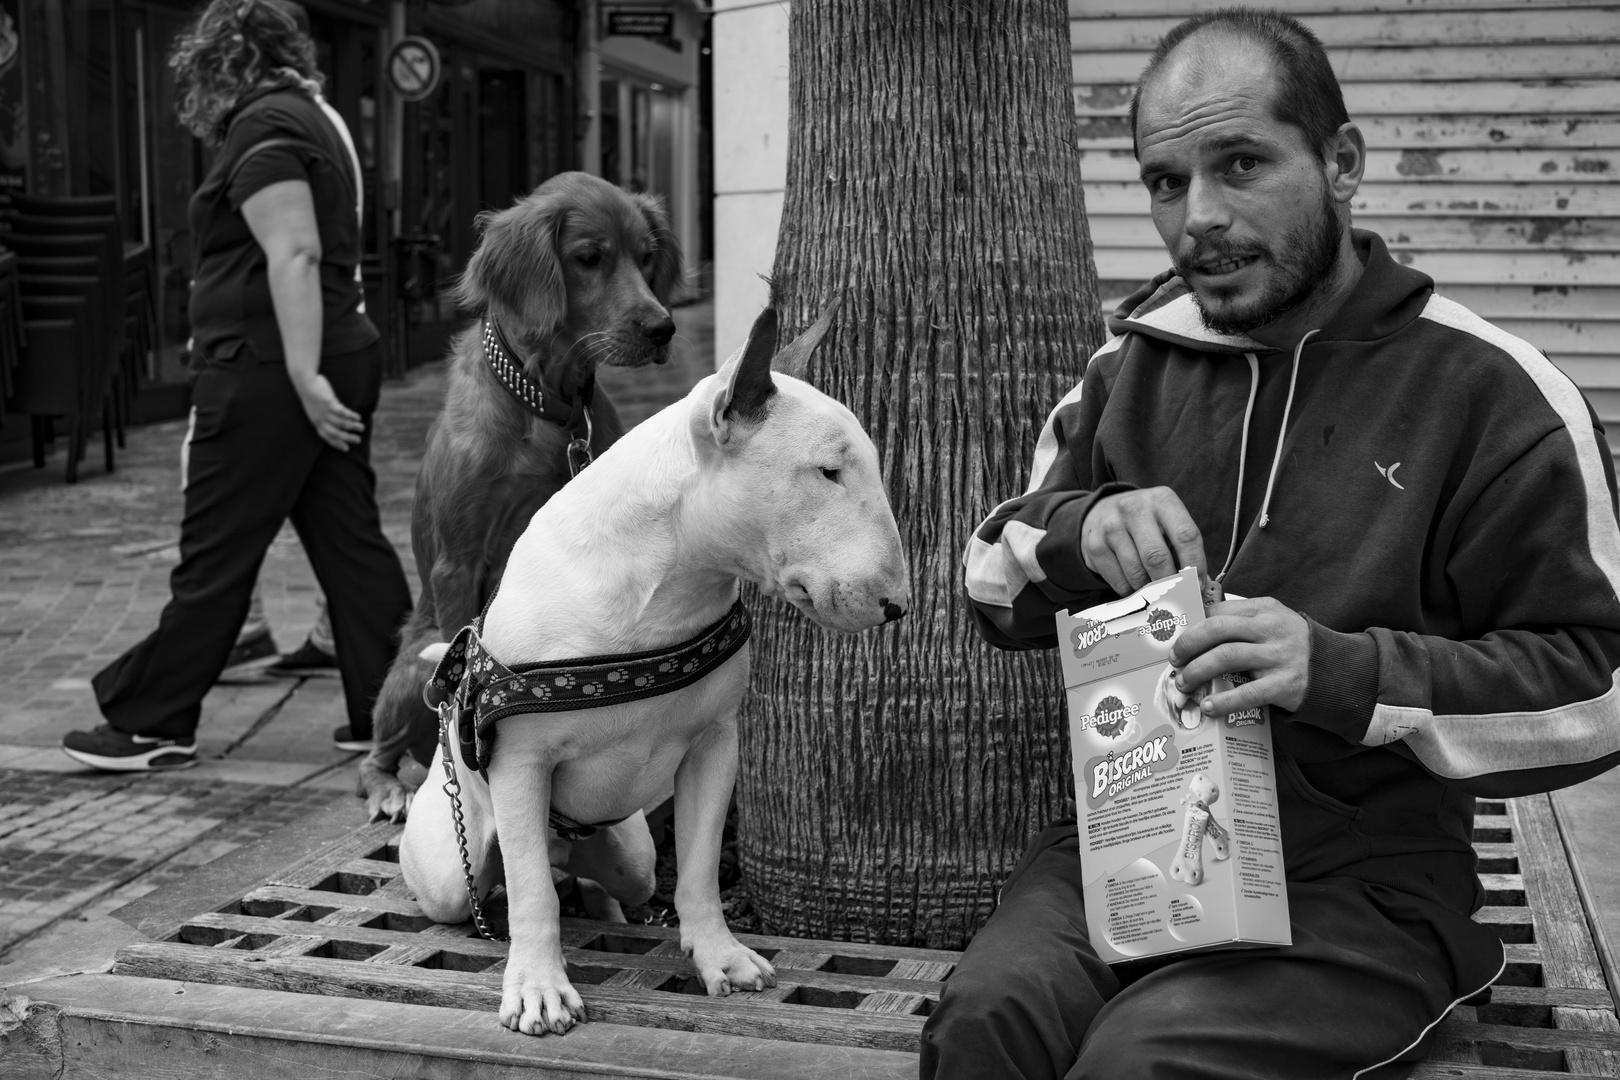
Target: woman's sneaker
x=112 y=750
x=344 y=738
x=249 y=657
x=306 y=660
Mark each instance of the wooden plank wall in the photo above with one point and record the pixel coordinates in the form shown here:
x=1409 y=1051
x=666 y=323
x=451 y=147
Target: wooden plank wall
x=1493 y=129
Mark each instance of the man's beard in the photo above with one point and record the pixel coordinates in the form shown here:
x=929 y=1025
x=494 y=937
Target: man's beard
x=1307 y=257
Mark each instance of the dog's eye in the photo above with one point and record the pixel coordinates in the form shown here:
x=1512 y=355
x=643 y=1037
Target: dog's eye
x=590 y=258
x=833 y=475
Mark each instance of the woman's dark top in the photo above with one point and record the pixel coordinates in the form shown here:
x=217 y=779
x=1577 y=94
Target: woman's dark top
x=230 y=298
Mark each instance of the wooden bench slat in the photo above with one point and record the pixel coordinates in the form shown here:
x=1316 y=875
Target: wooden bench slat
x=1532 y=1038
x=1503 y=916
x=319 y=865
x=375 y=901
x=1456 y=1070
x=431 y=944
x=1567 y=955
x=763 y=941
x=1583 y=1059
x=891 y=1002
x=482 y=992
x=1574 y=997
x=664 y=958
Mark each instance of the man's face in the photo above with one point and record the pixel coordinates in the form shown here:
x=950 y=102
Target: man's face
x=1240 y=199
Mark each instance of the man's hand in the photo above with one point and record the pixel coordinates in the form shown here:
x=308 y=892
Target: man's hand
x=1258 y=636
x=1136 y=537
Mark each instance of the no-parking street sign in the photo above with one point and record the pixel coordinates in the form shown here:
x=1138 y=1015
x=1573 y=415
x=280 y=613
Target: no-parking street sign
x=413 y=68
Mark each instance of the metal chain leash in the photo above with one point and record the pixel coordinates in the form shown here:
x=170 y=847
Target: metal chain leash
x=452 y=788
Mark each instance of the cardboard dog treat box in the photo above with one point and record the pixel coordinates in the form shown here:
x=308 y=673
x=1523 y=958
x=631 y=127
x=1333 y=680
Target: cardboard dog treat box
x=1179 y=838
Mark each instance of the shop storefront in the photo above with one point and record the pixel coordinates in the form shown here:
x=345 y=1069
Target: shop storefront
x=642 y=77
x=519 y=90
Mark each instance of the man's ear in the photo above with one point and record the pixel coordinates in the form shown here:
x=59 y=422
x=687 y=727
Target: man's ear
x=794 y=359
x=1346 y=162
x=748 y=386
x=515 y=273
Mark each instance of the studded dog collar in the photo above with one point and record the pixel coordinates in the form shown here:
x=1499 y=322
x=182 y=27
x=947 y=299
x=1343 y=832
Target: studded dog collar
x=532 y=395
x=478 y=690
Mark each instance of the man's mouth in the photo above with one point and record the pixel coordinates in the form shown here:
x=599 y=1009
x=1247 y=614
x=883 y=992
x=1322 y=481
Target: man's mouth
x=1222 y=266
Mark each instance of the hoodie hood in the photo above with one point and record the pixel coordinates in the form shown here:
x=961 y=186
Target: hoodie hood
x=1387 y=297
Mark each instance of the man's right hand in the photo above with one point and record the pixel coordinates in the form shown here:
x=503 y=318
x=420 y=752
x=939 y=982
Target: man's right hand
x=1136 y=537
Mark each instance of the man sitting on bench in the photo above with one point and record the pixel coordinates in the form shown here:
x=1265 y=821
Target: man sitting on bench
x=1423 y=508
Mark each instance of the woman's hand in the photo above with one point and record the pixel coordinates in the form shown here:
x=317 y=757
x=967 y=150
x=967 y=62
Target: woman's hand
x=339 y=426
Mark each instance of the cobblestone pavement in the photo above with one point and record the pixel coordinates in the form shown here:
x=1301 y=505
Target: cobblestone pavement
x=83 y=574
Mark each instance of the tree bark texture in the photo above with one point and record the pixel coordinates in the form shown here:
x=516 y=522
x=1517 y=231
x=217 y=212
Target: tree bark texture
x=890 y=780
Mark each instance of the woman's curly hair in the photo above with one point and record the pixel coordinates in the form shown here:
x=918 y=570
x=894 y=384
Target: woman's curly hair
x=232 y=47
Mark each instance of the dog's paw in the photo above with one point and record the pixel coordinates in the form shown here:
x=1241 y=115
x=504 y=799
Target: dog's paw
x=386 y=798
x=728 y=965
x=537 y=1000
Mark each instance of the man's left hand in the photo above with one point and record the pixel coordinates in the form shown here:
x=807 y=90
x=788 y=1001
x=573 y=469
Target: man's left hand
x=1259 y=636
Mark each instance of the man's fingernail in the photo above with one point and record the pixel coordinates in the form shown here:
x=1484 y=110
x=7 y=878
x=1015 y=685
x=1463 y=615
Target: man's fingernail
x=1208 y=705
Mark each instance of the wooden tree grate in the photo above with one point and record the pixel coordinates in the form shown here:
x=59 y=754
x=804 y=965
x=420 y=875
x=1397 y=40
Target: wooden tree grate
x=341 y=923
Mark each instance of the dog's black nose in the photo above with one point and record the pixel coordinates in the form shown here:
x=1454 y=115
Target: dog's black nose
x=891 y=610
x=659 y=330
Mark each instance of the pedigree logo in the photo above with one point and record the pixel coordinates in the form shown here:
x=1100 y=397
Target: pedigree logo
x=1161 y=625
x=1110 y=775
x=1087 y=636
x=1112 y=717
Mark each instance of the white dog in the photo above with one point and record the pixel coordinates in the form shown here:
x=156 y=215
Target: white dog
x=749 y=477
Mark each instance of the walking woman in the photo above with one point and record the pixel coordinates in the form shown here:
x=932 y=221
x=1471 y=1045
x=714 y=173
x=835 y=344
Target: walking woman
x=289 y=370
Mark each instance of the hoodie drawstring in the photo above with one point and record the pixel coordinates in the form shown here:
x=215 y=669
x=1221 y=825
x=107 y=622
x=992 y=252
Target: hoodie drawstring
x=1282 y=432
x=1243 y=448
x=1243 y=459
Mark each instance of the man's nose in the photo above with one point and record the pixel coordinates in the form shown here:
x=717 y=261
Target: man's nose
x=659 y=330
x=1207 y=211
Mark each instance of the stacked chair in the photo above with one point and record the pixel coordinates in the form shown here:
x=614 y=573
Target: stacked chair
x=12 y=340
x=85 y=330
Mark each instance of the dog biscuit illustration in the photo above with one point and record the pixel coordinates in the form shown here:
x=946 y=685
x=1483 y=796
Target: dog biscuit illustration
x=1188 y=865
x=1199 y=822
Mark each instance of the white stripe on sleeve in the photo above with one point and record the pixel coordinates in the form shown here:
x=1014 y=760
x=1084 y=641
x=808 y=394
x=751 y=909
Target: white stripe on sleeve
x=1474 y=745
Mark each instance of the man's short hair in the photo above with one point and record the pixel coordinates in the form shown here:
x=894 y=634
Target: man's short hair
x=1308 y=94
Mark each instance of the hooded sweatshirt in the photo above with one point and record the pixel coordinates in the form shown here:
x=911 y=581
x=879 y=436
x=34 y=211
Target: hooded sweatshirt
x=1429 y=491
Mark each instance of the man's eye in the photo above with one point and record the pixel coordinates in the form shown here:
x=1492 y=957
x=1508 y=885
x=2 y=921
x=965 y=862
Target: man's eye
x=1166 y=185
x=1245 y=164
x=590 y=258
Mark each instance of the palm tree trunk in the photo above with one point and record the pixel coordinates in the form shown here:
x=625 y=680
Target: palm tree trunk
x=890 y=780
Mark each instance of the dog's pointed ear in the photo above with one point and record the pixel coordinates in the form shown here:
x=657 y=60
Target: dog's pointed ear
x=794 y=359
x=748 y=385
x=516 y=271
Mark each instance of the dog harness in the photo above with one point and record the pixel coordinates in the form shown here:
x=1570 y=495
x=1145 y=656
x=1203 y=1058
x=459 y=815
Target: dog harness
x=472 y=691
x=533 y=396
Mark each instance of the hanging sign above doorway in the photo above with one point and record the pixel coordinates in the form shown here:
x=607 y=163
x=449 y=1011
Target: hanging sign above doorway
x=413 y=68
x=653 y=22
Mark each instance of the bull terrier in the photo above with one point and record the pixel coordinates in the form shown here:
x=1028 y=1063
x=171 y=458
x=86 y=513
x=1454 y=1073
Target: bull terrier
x=749 y=478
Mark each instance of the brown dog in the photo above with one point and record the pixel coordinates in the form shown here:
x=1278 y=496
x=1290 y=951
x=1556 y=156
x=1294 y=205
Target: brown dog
x=576 y=274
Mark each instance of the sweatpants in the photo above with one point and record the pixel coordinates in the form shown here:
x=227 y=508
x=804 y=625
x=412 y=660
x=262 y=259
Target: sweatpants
x=256 y=462
x=1355 y=995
